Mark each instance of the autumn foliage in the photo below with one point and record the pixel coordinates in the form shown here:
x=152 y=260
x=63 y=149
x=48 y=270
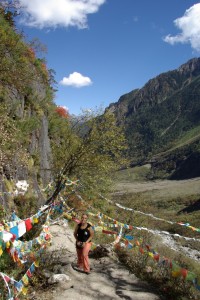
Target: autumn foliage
x=62 y=111
x=31 y=54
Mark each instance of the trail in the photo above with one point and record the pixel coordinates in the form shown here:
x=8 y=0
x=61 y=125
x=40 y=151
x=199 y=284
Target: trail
x=108 y=280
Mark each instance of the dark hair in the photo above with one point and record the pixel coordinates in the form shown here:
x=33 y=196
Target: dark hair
x=83 y=214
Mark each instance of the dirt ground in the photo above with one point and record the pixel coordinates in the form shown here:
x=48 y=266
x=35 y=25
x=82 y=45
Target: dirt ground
x=108 y=280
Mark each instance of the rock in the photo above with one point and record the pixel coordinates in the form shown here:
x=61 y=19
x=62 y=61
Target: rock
x=32 y=295
x=58 y=278
x=57 y=268
x=65 y=285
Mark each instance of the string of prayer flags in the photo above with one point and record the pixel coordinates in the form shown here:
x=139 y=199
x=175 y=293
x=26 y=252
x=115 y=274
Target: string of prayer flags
x=76 y=220
x=67 y=182
x=6 y=279
x=189 y=226
x=14 y=231
x=25 y=279
x=21 y=285
x=176 y=270
x=19 y=229
x=70 y=182
x=107 y=224
x=98 y=228
x=123 y=207
x=197 y=286
x=130 y=227
x=117 y=223
x=156 y=218
x=108 y=231
x=28 y=224
x=119 y=236
x=22 y=251
x=67 y=216
x=24 y=290
x=6 y=236
x=59 y=208
x=9 y=234
x=14 y=217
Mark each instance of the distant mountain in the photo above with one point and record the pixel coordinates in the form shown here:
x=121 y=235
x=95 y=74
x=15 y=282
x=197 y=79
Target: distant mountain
x=162 y=120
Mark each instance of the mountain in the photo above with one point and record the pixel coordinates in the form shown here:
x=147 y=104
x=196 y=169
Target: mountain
x=162 y=121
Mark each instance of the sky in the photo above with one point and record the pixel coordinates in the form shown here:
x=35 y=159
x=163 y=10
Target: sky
x=103 y=49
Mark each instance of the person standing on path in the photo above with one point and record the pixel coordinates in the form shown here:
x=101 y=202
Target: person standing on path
x=83 y=234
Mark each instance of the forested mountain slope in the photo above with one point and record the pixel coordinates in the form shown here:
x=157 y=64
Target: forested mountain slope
x=162 y=119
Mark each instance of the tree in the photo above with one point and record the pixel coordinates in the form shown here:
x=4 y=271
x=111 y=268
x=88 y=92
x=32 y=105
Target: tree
x=10 y=5
x=15 y=70
x=89 y=149
x=10 y=9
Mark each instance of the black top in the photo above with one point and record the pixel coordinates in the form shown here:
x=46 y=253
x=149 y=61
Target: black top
x=83 y=234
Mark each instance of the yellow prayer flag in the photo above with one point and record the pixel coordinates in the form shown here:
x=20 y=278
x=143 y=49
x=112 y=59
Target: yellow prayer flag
x=35 y=220
x=176 y=273
x=7 y=245
x=151 y=254
x=36 y=263
x=25 y=279
x=192 y=227
x=65 y=215
x=98 y=228
x=24 y=290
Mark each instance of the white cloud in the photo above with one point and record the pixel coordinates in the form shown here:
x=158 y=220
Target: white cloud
x=76 y=80
x=189 y=25
x=65 y=107
x=54 y=13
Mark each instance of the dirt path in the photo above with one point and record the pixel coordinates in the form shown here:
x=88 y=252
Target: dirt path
x=109 y=280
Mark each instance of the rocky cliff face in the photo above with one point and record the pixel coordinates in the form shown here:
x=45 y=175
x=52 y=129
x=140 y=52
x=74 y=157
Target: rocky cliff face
x=38 y=139
x=38 y=147
x=25 y=95
x=45 y=151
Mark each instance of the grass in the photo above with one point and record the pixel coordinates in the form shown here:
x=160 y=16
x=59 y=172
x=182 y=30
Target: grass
x=189 y=136
x=133 y=174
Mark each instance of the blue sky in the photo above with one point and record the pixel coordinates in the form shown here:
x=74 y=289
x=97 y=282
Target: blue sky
x=102 y=49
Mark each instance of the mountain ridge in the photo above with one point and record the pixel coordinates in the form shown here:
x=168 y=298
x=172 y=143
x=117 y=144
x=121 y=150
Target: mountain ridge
x=161 y=113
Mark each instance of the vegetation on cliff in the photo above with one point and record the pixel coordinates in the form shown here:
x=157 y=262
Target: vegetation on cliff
x=47 y=137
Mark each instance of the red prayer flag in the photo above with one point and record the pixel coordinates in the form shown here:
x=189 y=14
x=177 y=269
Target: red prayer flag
x=7 y=279
x=184 y=273
x=28 y=224
x=142 y=250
